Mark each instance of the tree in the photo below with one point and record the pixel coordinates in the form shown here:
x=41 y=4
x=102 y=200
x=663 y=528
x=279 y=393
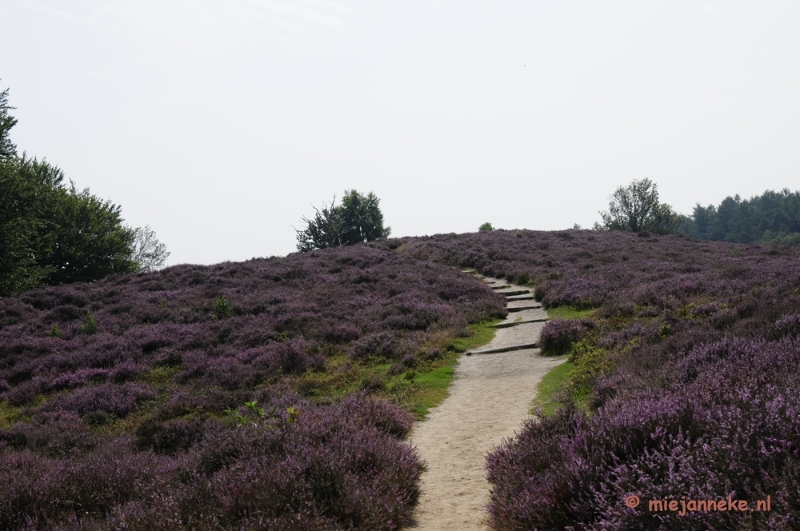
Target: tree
x=636 y=208
x=52 y=234
x=362 y=219
x=772 y=217
x=86 y=239
x=148 y=253
x=486 y=227
x=26 y=188
x=323 y=231
x=358 y=219
x=7 y=149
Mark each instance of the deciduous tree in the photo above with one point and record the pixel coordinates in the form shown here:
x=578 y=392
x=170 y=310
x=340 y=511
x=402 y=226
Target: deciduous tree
x=148 y=253
x=53 y=234
x=85 y=238
x=7 y=149
x=26 y=187
x=636 y=208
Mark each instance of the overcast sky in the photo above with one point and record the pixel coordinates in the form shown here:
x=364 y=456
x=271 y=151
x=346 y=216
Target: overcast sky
x=218 y=123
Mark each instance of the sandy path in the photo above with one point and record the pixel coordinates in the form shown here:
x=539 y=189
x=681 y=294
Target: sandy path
x=488 y=401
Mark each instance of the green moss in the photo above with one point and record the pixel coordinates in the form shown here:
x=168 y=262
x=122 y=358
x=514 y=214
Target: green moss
x=584 y=363
x=430 y=389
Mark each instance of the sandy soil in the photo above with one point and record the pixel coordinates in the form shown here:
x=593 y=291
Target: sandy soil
x=488 y=401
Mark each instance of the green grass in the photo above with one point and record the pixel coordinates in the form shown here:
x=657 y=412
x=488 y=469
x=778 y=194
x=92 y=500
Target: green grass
x=431 y=388
x=482 y=333
x=417 y=389
x=569 y=312
x=160 y=376
x=9 y=414
x=552 y=382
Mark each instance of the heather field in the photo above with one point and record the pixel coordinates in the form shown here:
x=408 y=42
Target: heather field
x=685 y=373
x=268 y=394
x=277 y=393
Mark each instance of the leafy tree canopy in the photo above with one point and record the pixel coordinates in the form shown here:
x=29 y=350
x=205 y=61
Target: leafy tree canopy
x=7 y=149
x=53 y=234
x=486 y=227
x=636 y=208
x=357 y=219
x=87 y=239
x=25 y=191
x=770 y=218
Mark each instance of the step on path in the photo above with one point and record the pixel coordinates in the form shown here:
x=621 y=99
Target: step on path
x=489 y=398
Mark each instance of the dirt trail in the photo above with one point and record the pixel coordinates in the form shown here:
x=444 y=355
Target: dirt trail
x=488 y=400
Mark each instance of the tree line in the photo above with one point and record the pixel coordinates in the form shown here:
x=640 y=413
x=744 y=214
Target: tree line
x=54 y=233
x=771 y=218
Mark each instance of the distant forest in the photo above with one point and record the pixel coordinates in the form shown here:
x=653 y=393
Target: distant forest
x=771 y=218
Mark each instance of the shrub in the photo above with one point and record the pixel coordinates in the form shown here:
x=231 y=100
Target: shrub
x=50 y=434
x=171 y=354
x=222 y=308
x=558 y=335
x=680 y=387
x=788 y=325
x=170 y=436
x=118 y=400
x=90 y=326
x=381 y=345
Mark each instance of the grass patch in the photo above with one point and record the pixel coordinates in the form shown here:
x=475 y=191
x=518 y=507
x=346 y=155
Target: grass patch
x=551 y=384
x=585 y=362
x=9 y=414
x=160 y=376
x=431 y=388
x=482 y=333
x=417 y=388
x=569 y=312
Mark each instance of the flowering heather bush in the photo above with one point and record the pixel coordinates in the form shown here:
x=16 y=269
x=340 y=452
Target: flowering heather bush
x=173 y=409
x=118 y=400
x=694 y=386
x=383 y=344
x=558 y=335
x=325 y=467
x=50 y=434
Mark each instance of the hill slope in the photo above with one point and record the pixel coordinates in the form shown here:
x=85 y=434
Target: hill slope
x=206 y=397
x=686 y=369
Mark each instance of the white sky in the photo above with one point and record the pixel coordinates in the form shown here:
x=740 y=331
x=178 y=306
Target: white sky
x=218 y=123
